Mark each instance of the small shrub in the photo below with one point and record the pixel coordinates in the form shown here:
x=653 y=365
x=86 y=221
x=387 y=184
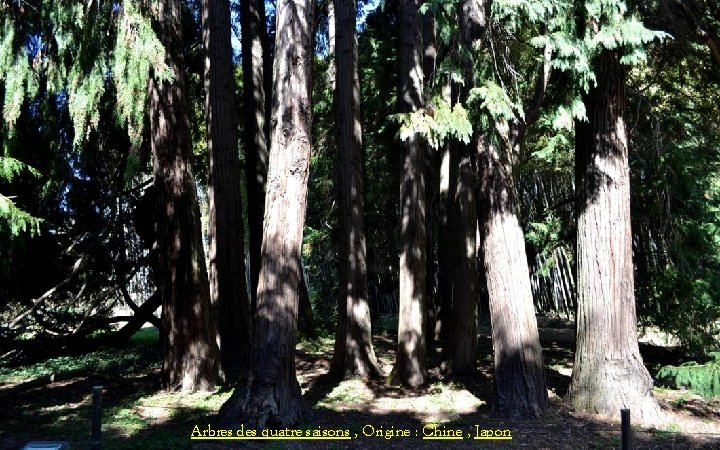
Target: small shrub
x=701 y=378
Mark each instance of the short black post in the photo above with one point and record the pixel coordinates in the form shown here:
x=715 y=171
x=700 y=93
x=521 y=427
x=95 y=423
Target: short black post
x=96 y=418
x=625 y=418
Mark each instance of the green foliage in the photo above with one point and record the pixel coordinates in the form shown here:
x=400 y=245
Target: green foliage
x=15 y=218
x=607 y=26
x=445 y=14
x=435 y=124
x=72 y=57
x=127 y=360
x=675 y=162
x=495 y=101
x=546 y=235
x=11 y=167
x=85 y=89
x=137 y=54
x=18 y=221
x=701 y=378
x=513 y=13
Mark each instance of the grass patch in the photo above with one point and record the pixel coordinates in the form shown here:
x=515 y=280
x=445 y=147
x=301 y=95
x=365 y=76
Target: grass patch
x=347 y=391
x=667 y=432
x=146 y=336
x=316 y=346
x=140 y=356
x=116 y=361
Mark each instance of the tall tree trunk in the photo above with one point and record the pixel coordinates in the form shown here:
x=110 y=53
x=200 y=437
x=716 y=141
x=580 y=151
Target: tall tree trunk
x=255 y=137
x=191 y=353
x=462 y=345
x=431 y=185
x=608 y=371
x=519 y=383
x=448 y=180
x=410 y=361
x=354 y=353
x=460 y=349
x=271 y=396
x=228 y=292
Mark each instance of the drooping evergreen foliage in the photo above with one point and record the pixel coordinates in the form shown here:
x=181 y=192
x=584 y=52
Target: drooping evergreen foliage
x=701 y=378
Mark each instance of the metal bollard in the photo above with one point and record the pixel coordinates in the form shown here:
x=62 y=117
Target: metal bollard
x=625 y=427
x=96 y=418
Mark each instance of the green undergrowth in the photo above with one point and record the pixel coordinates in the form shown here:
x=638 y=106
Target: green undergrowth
x=701 y=378
x=159 y=420
x=140 y=355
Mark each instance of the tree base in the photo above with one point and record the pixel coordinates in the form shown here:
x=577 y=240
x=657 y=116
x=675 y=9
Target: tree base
x=614 y=385
x=260 y=405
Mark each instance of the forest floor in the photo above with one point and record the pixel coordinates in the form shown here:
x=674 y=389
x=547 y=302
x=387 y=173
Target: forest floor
x=137 y=414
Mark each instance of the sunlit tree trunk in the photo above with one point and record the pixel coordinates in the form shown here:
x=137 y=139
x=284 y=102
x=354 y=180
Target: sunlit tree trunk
x=410 y=361
x=191 y=353
x=519 y=382
x=228 y=292
x=271 y=397
x=354 y=353
x=608 y=373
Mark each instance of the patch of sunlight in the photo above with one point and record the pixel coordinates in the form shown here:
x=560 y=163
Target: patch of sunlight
x=117 y=361
x=128 y=421
x=146 y=336
x=150 y=410
x=316 y=346
x=440 y=405
x=348 y=393
x=190 y=400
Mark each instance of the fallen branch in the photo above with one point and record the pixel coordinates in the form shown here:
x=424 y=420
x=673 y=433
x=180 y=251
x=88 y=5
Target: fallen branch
x=37 y=302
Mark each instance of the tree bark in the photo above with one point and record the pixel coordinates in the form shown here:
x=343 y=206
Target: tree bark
x=271 y=396
x=448 y=180
x=228 y=292
x=462 y=345
x=608 y=371
x=431 y=184
x=519 y=382
x=354 y=354
x=255 y=137
x=410 y=361
x=191 y=353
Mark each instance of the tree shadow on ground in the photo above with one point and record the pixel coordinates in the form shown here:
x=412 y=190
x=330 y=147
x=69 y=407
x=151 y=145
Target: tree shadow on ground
x=60 y=411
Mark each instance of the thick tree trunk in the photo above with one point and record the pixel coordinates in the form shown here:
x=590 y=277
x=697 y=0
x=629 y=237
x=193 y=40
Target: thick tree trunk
x=354 y=354
x=255 y=137
x=271 y=396
x=228 y=292
x=410 y=362
x=460 y=349
x=191 y=353
x=519 y=383
x=608 y=372
x=462 y=345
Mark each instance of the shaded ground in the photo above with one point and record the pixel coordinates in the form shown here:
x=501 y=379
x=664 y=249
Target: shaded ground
x=138 y=415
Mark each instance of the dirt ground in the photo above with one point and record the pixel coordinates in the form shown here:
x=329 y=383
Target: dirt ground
x=372 y=414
